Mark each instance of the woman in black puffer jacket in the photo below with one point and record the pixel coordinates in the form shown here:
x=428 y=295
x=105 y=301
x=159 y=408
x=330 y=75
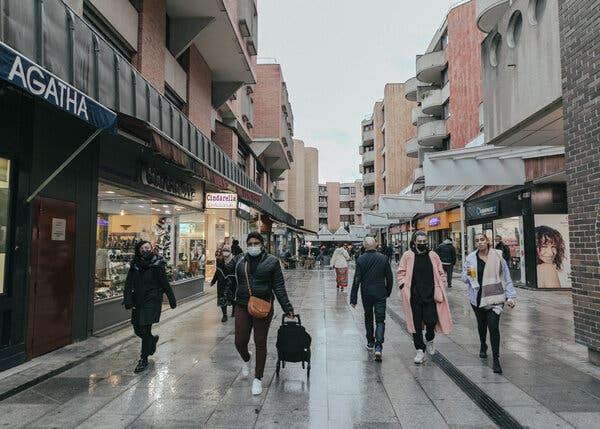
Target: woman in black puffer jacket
x=266 y=280
x=144 y=288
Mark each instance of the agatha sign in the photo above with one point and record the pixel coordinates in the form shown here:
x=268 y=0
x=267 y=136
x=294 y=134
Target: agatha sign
x=221 y=201
x=434 y=221
x=36 y=80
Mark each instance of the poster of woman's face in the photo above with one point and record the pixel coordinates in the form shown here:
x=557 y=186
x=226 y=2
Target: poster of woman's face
x=552 y=251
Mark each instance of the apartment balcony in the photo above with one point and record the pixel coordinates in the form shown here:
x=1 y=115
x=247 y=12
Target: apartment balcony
x=322 y=203
x=220 y=45
x=360 y=168
x=368 y=178
x=430 y=67
x=433 y=100
x=278 y=195
x=416 y=114
x=368 y=157
x=248 y=24
x=410 y=88
x=369 y=202
x=432 y=134
x=412 y=148
x=368 y=135
x=489 y=13
x=175 y=76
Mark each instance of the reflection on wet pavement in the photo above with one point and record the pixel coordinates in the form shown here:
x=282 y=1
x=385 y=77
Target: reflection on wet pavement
x=194 y=379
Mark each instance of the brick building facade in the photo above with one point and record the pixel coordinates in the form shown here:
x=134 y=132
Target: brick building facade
x=580 y=52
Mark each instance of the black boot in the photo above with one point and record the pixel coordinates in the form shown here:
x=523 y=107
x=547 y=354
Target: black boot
x=233 y=311
x=483 y=351
x=153 y=350
x=224 y=310
x=141 y=365
x=496 y=366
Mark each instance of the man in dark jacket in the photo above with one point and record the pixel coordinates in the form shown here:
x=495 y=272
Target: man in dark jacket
x=503 y=248
x=447 y=254
x=374 y=277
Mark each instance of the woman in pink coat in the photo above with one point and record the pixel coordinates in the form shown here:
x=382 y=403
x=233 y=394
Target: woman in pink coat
x=422 y=282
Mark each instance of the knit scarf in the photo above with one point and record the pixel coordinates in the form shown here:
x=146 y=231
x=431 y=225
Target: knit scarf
x=492 y=287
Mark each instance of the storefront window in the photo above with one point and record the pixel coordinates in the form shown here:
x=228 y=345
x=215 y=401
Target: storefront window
x=126 y=218
x=218 y=232
x=4 y=203
x=510 y=230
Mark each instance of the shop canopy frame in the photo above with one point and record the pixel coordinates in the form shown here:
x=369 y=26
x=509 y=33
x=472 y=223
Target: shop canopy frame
x=456 y=175
x=403 y=207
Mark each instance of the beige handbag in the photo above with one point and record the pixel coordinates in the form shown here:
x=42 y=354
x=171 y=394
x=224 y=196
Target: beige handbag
x=257 y=307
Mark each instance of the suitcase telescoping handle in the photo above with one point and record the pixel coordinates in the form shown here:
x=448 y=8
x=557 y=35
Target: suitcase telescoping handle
x=284 y=317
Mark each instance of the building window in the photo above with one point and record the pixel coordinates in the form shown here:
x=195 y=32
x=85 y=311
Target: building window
x=345 y=191
x=369 y=148
x=125 y=218
x=514 y=29
x=445 y=76
x=369 y=190
x=322 y=189
x=172 y=96
x=384 y=186
x=368 y=127
x=494 y=49
x=444 y=41
x=446 y=110
x=352 y=192
x=369 y=169
x=4 y=205
x=536 y=10
x=242 y=159
x=322 y=199
x=383 y=163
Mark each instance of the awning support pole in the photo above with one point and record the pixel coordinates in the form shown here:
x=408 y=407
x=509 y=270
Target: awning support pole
x=64 y=164
x=462 y=234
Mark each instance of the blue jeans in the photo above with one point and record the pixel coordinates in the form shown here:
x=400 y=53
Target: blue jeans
x=374 y=306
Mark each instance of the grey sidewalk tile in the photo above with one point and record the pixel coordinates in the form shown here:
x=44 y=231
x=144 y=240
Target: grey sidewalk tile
x=568 y=398
x=537 y=417
x=167 y=410
x=419 y=416
x=463 y=413
x=233 y=417
x=361 y=408
x=19 y=415
x=72 y=413
x=105 y=420
x=507 y=394
x=588 y=420
x=295 y=419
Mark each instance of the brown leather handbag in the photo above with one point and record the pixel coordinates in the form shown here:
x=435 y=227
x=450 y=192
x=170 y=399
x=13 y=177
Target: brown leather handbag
x=257 y=307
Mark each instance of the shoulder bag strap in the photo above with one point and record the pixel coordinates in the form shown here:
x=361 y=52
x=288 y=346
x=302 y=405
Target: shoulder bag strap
x=247 y=279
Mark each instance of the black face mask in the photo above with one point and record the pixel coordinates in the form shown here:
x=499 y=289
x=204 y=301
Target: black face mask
x=422 y=247
x=147 y=254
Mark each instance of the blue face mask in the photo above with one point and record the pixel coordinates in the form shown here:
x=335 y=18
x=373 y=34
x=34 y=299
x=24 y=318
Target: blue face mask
x=254 y=250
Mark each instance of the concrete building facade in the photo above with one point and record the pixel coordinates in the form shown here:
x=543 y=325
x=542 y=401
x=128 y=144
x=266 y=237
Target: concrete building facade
x=340 y=204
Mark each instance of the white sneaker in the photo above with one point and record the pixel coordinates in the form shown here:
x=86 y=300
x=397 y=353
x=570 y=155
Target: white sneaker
x=256 y=387
x=420 y=357
x=430 y=347
x=246 y=367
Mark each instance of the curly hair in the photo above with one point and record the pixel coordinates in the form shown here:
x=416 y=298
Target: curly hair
x=546 y=235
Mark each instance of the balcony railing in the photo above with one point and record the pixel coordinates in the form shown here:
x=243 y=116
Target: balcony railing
x=368 y=178
x=368 y=157
x=489 y=13
x=432 y=134
x=94 y=67
x=368 y=135
x=369 y=201
x=433 y=100
x=416 y=114
x=412 y=148
x=430 y=66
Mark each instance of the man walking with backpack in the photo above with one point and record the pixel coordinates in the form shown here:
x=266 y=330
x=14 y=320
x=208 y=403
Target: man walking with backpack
x=374 y=277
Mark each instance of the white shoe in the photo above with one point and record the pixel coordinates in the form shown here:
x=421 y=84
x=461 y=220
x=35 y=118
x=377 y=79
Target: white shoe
x=256 y=387
x=430 y=347
x=246 y=367
x=420 y=357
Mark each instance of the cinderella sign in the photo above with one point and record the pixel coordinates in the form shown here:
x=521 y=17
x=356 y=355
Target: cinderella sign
x=25 y=74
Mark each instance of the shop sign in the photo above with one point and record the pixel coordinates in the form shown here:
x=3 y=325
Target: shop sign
x=221 y=201
x=165 y=183
x=36 y=80
x=434 y=221
x=482 y=210
x=243 y=211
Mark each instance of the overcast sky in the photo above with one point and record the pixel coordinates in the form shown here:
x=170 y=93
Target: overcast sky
x=336 y=56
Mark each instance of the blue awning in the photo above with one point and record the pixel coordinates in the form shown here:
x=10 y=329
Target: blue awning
x=18 y=70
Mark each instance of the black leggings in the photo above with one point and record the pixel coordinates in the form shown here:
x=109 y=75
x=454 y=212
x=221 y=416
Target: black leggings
x=488 y=320
x=145 y=333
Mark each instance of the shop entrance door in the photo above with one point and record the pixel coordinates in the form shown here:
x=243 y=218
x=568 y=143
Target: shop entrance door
x=52 y=276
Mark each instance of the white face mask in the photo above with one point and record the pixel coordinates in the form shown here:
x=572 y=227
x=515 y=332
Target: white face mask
x=226 y=253
x=254 y=250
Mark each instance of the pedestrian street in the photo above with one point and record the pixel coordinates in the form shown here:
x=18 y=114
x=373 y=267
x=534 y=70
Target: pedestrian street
x=194 y=379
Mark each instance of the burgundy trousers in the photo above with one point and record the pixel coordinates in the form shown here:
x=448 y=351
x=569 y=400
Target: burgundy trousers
x=244 y=324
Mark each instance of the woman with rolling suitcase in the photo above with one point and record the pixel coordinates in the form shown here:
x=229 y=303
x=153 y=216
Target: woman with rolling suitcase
x=260 y=279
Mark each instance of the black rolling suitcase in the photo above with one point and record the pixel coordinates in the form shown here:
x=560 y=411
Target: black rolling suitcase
x=293 y=344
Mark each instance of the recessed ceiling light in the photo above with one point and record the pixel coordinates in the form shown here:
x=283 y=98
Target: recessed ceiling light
x=109 y=192
x=154 y=201
x=165 y=206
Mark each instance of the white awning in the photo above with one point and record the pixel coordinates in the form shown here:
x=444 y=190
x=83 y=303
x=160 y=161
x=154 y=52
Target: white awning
x=403 y=206
x=455 y=175
x=377 y=220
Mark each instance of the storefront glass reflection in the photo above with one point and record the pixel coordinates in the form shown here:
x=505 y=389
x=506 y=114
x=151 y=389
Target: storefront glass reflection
x=125 y=218
x=4 y=204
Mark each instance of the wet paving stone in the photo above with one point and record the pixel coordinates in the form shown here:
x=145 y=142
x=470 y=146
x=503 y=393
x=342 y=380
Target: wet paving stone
x=194 y=379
